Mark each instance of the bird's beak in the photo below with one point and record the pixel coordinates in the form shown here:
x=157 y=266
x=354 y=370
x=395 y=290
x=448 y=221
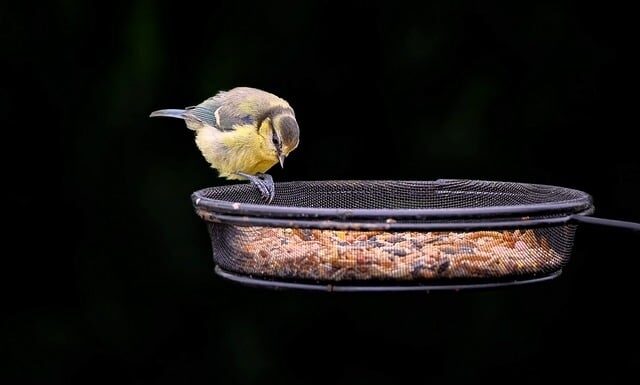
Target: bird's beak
x=281 y=157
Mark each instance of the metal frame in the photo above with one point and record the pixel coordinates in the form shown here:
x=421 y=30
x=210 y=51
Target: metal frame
x=557 y=213
x=235 y=208
x=462 y=225
x=395 y=287
x=554 y=213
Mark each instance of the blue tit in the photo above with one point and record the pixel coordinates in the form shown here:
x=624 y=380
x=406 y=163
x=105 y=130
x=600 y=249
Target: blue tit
x=242 y=133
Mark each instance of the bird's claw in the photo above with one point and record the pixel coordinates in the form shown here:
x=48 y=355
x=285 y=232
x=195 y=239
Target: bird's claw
x=266 y=187
x=264 y=183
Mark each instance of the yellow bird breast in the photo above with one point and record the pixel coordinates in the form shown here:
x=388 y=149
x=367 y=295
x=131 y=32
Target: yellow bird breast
x=240 y=150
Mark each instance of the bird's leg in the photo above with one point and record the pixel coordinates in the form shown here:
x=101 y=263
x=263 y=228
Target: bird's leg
x=264 y=183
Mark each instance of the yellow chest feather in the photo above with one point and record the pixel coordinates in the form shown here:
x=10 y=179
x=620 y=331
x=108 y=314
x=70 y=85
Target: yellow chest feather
x=241 y=150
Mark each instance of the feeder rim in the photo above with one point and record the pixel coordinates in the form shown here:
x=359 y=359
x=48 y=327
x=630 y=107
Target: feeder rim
x=583 y=203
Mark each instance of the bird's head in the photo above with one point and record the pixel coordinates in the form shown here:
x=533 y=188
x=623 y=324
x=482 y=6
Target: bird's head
x=283 y=135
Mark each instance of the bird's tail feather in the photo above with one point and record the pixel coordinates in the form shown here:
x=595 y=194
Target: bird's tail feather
x=169 y=113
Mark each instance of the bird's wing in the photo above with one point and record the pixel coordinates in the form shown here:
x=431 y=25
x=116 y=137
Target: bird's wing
x=240 y=106
x=221 y=114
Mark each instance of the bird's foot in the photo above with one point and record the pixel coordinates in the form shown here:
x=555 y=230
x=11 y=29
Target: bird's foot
x=264 y=183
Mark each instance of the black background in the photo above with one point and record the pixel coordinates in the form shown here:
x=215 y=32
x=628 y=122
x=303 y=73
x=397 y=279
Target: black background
x=114 y=279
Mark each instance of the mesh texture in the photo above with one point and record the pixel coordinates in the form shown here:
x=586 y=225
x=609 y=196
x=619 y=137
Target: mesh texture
x=301 y=254
x=441 y=194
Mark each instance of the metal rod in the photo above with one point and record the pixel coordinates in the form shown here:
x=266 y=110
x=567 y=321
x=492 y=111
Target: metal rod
x=279 y=285
x=236 y=208
x=580 y=203
x=606 y=222
x=387 y=226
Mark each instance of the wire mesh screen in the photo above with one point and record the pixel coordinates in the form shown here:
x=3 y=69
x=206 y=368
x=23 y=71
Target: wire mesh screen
x=399 y=194
x=297 y=250
x=328 y=255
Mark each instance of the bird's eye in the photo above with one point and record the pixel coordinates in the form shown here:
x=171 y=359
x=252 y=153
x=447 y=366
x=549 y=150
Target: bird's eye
x=276 y=141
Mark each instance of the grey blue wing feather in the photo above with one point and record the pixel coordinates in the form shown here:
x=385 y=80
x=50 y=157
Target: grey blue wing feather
x=219 y=115
x=240 y=106
x=203 y=114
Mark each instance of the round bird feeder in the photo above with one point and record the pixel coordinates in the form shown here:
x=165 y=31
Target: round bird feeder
x=394 y=235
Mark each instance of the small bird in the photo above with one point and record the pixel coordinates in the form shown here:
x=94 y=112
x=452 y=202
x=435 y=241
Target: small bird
x=242 y=133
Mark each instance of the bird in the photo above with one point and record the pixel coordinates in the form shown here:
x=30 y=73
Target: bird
x=242 y=133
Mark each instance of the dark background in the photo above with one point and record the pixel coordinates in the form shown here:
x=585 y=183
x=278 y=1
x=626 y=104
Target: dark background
x=114 y=280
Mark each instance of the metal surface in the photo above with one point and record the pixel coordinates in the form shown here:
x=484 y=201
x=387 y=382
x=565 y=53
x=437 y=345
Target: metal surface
x=626 y=225
x=322 y=231
x=391 y=287
x=491 y=200
x=460 y=225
